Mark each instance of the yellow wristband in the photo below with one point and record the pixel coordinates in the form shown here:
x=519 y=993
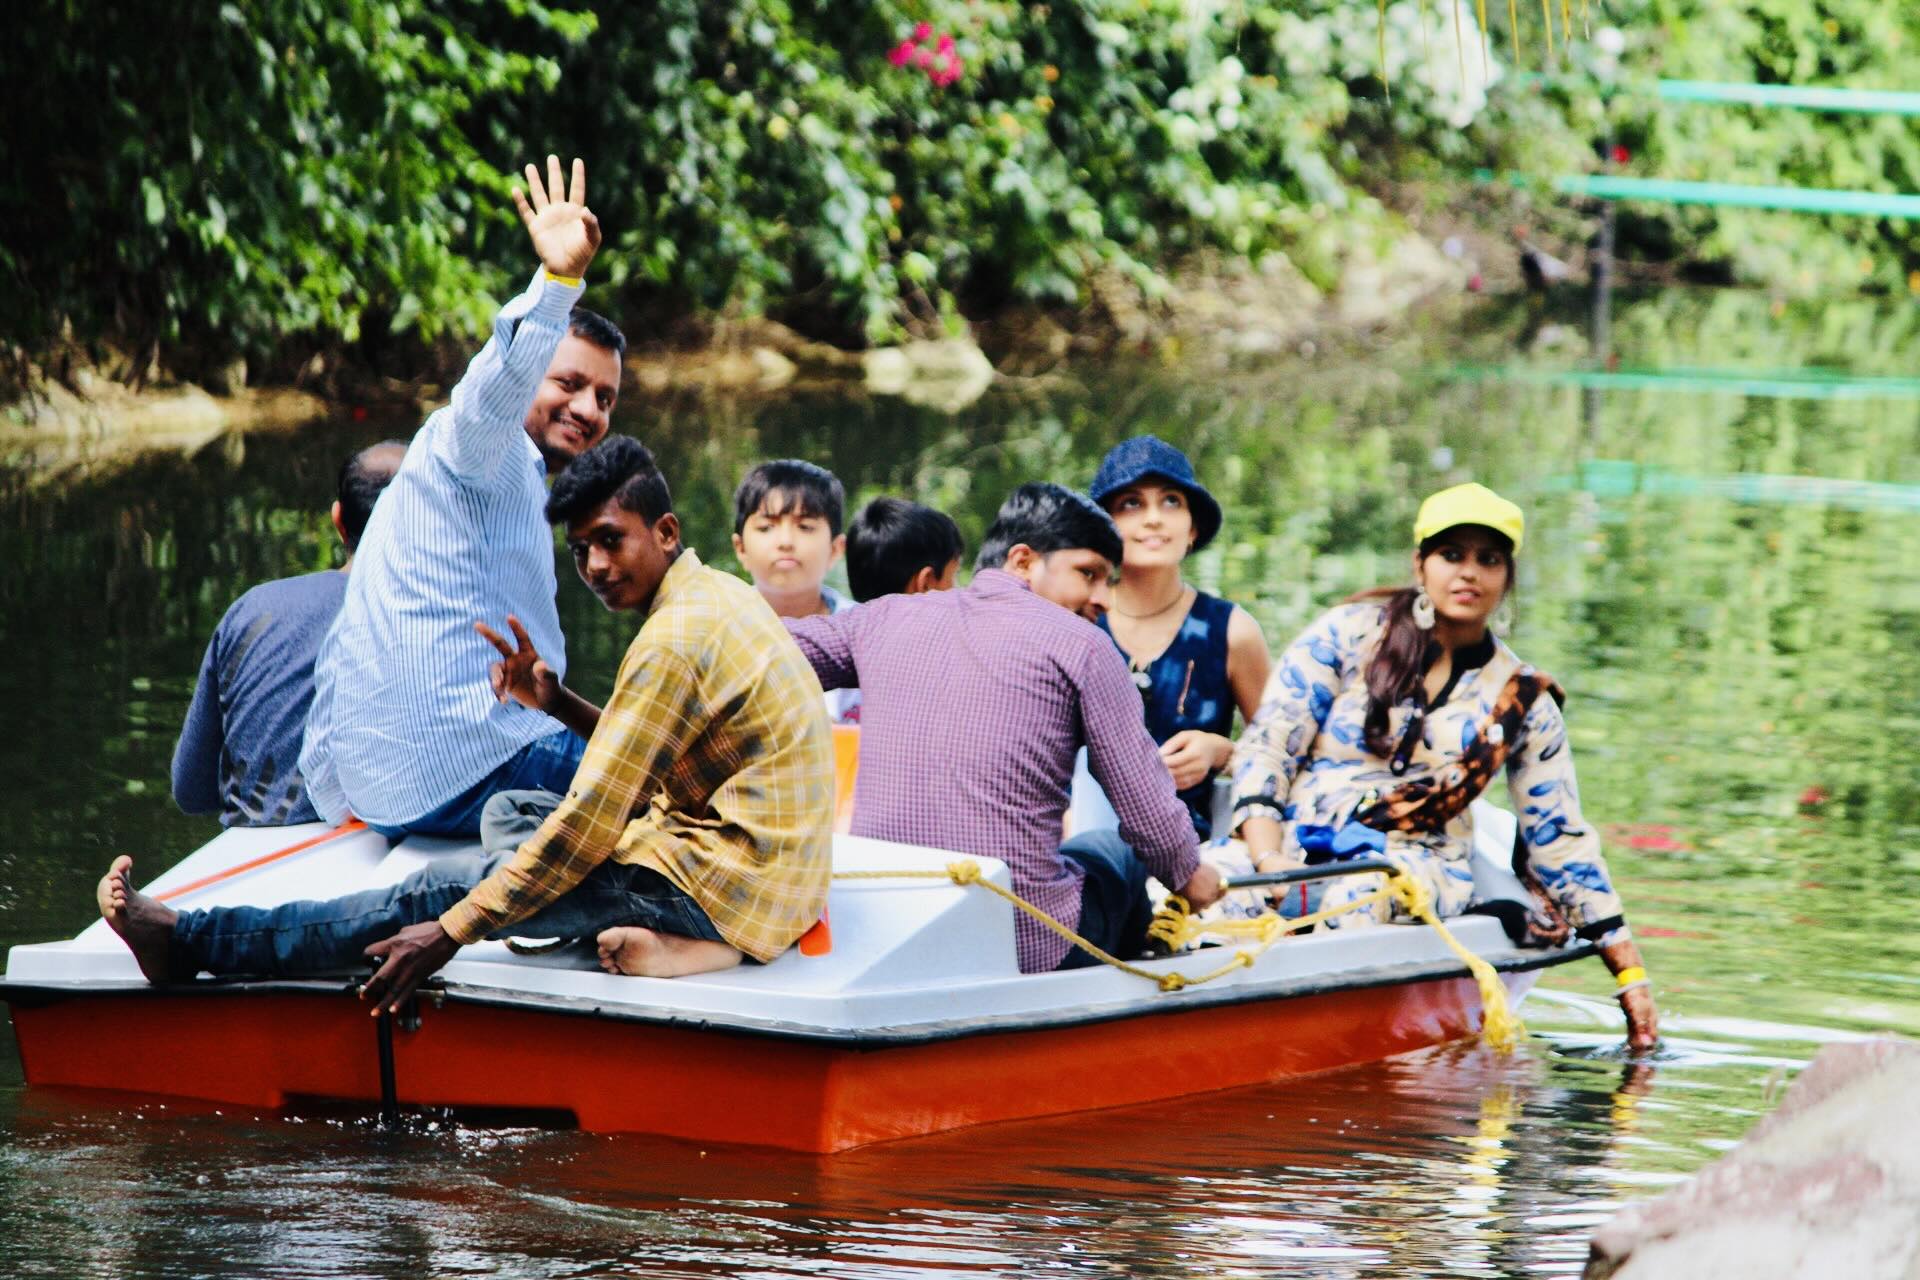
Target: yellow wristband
x=1631 y=974
x=572 y=282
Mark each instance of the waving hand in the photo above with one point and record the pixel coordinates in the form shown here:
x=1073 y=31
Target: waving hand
x=565 y=233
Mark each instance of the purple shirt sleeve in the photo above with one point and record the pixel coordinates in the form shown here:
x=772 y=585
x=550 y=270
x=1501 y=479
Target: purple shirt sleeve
x=1122 y=757
x=826 y=641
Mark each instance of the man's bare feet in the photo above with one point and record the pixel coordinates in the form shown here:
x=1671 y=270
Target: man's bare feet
x=648 y=953
x=145 y=925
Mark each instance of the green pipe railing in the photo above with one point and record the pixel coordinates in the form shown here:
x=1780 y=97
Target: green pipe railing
x=1803 y=98
x=1605 y=186
x=1790 y=384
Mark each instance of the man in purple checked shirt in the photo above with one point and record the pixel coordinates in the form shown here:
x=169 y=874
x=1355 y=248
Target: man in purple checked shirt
x=974 y=704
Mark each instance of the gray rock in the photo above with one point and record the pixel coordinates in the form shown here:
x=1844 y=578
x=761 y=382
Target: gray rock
x=1826 y=1186
x=947 y=374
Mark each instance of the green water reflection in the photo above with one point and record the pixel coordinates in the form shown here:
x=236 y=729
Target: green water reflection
x=1743 y=656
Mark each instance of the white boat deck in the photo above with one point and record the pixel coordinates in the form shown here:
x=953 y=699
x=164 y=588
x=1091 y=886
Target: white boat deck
x=910 y=959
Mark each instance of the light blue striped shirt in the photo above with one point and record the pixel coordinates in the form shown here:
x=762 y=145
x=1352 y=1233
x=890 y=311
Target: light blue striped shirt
x=403 y=717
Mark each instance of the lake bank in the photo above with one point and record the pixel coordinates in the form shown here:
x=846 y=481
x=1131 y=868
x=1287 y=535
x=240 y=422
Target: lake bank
x=1383 y=277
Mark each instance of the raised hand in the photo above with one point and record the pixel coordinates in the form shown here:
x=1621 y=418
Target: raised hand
x=520 y=675
x=564 y=231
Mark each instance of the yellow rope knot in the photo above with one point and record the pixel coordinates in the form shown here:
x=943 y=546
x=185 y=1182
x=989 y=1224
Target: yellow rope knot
x=965 y=872
x=1172 y=981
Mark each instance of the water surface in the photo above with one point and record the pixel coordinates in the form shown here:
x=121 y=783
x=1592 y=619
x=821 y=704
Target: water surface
x=1728 y=585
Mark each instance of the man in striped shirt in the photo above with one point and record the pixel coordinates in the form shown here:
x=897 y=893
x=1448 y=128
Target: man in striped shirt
x=404 y=732
x=698 y=829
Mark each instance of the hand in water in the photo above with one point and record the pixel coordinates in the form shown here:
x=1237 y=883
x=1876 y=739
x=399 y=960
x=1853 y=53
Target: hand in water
x=521 y=674
x=1643 y=1020
x=565 y=233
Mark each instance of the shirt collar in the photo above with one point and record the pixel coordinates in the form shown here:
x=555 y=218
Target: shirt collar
x=997 y=582
x=1471 y=658
x=678 y=574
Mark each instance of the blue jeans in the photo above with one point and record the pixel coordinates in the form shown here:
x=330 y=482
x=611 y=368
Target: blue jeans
x=1114 y=908
x=546 y=764
x=328 y=937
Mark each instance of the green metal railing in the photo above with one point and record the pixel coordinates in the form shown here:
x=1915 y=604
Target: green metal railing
x=1861 y=101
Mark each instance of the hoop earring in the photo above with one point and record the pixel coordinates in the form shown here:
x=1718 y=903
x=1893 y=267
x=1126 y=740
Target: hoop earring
x=1502 y=620
x=1423 y=610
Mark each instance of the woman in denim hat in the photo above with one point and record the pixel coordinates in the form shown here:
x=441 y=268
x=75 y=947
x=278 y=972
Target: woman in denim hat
x=1393 y=712
x=1195 y=657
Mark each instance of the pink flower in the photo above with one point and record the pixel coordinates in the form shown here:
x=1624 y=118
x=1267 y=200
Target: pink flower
x=923 y=58
x=945 y=45
x=902 y=54
x=921 y=31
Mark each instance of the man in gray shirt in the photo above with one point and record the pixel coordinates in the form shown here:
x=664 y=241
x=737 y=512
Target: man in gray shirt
x=239 y=750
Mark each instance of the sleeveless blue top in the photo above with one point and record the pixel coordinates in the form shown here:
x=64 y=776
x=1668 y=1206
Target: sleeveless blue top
x=1186 y=688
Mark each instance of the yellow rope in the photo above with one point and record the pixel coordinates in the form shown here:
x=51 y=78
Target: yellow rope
x=1177 y=927
x=968 y=872
x=1500 y=1026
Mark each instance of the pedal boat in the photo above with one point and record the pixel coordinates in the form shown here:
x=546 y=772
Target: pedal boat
x=911 y=1019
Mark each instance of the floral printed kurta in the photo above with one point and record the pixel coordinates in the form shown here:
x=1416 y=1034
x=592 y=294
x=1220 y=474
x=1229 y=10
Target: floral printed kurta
x=1304 y=760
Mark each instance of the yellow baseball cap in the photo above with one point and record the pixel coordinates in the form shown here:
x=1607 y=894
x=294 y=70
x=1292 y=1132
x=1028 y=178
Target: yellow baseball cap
x=1468 y=504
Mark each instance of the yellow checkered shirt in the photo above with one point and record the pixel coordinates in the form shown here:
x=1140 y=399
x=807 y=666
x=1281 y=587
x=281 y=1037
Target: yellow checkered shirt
x=712 y=764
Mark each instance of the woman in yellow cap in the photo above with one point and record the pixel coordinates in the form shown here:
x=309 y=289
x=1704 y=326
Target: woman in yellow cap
x=1392 y=712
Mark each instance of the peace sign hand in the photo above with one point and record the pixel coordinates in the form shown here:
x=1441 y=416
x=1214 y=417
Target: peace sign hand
x=521 y=675
x=564 y=231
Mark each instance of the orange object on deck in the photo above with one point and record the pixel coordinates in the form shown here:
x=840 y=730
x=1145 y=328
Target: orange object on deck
x=846 y=767
x=818 y=941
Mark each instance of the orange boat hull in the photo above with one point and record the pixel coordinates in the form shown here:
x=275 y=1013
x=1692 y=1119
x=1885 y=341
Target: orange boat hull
x=270 y=1049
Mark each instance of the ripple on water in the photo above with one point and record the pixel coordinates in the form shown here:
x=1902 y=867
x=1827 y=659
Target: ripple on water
x=1454 y=1162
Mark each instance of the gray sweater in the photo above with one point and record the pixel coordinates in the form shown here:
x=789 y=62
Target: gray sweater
x=239 y=751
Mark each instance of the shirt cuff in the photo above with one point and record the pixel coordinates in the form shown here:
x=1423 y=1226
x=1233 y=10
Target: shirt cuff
x=552 y=300
x=467 y=922
x=1181 y=866
x=1256 y=807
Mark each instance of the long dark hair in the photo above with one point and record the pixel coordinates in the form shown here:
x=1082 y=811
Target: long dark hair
x=1399 y=663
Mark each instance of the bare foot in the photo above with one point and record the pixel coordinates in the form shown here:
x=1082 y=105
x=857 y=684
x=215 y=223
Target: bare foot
x=648 y=953
x=146 y=926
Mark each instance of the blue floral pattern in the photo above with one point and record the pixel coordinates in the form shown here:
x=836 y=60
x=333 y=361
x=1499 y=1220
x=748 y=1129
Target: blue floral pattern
x=1304 y=761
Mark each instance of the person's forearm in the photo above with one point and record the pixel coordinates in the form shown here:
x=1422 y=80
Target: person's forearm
x=575 y=712
x=1263 y=836
x=1622 y=956
x=489 y=403
x=1222 y=747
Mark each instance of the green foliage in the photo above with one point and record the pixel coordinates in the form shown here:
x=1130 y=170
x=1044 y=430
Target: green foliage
x=276 y=176
x=221 y=178
x=1858 y=44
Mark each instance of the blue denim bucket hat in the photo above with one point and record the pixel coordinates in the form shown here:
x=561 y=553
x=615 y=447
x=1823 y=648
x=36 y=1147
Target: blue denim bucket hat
x=1144 y=457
